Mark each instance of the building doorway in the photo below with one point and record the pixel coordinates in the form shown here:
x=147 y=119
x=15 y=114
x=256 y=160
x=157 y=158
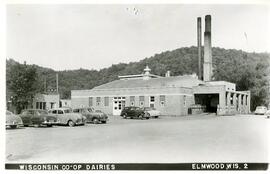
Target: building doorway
x=210 y=101
x=118 y=105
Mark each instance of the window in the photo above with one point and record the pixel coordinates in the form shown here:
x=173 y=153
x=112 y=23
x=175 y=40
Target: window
x=152 y=101
x=98 y=101
x=40 y=105
x=185 y=100
x=141 y=100
x=106 y=101
x=54 y=111
x=90 y=101
x=132 y=100
x=60 y=112
x=66 y=111
x=76 y=110
x=44 y=105
x=162 y=100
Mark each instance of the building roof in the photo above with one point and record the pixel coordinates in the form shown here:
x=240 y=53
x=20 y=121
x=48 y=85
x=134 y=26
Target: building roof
x=173 y=81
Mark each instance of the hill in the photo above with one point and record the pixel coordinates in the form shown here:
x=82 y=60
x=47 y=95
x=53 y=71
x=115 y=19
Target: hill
x=248 y=70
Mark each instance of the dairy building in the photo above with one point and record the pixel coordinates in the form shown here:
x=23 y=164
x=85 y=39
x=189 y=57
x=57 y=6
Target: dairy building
x=171 y=95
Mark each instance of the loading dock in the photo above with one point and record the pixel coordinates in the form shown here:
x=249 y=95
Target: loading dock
x=210 y=101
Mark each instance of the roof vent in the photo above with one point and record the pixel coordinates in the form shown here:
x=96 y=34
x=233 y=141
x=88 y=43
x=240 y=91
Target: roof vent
x=146 y=75
x=168 y=74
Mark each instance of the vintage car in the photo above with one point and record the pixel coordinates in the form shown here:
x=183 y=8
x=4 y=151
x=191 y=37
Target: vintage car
x=67 y=117
x=260 y=110
x=152 y=112
x=13 y=121
x=37 y=117
x=91 y=115
x=134 y=112
x=267 y=113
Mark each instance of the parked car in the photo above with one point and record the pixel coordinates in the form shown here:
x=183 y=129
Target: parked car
x=134 y=112
x=38 y=117
x=91 y=115
x=267 y=113
x=13 y=121
x=261 y=110
x=67 y=117
x=152 y=112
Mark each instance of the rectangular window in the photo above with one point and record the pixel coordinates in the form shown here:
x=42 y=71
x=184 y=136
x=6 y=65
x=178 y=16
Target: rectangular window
x=98 y=101
x=185 y=100
x=152 y=98
x=44 y=105
x=90 y=101
x=162 y=100
x=37 y=104
x=141 y=101
x=106 y=101
x=132 y=100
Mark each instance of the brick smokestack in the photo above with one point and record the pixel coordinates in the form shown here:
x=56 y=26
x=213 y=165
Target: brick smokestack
x=207 y=65
x=199 y=41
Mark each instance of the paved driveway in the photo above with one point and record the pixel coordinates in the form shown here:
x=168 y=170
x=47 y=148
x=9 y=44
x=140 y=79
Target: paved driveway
x=201 y=138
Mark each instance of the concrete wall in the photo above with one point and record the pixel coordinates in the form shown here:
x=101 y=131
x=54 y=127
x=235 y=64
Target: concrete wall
x=228 y=85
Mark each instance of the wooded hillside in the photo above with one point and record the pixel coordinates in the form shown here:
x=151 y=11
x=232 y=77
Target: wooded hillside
x=248 y=70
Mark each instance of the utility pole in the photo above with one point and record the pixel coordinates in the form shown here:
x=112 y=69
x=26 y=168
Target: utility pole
x=57 y=82
x=45 y=86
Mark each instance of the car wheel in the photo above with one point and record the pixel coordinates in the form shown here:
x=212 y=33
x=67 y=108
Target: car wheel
x=103 y=122
x=156 y=116
x=147 y=115
x=71 y=123
x=49 y=125
x=13 y=126
x=95 y=121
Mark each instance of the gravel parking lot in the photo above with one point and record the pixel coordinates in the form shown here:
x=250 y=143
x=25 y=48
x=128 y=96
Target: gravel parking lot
x=201 y=138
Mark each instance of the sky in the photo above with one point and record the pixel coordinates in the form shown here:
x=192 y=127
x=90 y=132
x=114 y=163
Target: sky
x=66 y=36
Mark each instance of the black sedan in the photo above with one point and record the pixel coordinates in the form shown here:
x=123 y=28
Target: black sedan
x=134 y=112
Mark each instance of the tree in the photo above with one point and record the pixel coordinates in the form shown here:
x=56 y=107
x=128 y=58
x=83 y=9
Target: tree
x=22 y=83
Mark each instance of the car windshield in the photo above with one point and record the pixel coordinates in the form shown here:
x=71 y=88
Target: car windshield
x=25 y=112
x=67 y=111
x=90 y=110
x=261 y=107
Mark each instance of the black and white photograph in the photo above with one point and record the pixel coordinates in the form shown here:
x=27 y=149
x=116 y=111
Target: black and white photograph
x=136 y=86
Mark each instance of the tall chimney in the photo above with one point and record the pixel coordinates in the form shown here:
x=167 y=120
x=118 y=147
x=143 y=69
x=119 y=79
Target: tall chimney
x=207 y=65
x=199 y=40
